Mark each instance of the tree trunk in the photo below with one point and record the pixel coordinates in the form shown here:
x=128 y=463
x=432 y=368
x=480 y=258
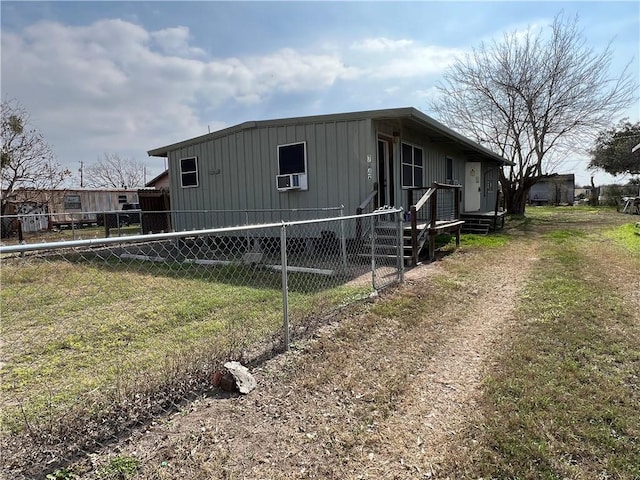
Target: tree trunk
x=516 y=193
x=516 y=199
x=594 y=194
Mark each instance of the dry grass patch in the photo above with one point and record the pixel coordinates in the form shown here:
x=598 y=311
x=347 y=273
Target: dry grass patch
x=89 y=350
x=562 y=401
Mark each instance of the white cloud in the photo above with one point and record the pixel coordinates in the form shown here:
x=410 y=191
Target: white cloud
x=417 y=62
x=385 y=58
x=175 y=41
x=381 y=44
x=113 y=85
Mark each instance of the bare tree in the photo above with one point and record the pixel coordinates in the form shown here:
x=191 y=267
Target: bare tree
x=113 y=171
x=27 y=165
x=532 y=97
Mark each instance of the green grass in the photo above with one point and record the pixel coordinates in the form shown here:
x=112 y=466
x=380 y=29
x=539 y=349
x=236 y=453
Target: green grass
x=66 y=234
x=627 y=236
x=537 y=218
x=494 y=240
x=75 y=330
x=564 y=400
x=119 y=468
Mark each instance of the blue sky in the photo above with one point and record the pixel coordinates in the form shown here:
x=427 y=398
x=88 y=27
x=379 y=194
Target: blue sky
x=126 y=77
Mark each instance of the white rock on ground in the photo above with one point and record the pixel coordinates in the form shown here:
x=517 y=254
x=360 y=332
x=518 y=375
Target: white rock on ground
x=244 y=380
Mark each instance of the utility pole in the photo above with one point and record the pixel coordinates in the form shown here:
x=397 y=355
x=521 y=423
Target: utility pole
x=81 y=174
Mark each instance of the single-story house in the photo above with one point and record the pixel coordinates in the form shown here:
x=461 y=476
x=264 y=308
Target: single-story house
x=41 y=209
x=160 y=182
x=390 y=156
x=553 y=189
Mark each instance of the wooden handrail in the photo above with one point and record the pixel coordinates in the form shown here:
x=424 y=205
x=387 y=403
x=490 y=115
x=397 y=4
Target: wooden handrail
x=362 y=206
x=429 y=196
x=426 y=196
x=446 y=186
x=368 y=200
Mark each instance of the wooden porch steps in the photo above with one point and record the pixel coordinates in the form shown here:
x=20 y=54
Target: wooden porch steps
x=482 y=223
x=386 y=239
x=477 y=226
x=385 y=245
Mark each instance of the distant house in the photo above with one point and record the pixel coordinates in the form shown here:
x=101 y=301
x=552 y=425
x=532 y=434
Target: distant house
x=554 y=189
x=41 y=209
x=156 y=204
x=581 y=193
x=161 y=182
x=391 y=156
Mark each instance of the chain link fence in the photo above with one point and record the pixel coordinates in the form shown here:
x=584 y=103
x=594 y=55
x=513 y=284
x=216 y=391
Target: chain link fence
x=100 y=335
x=41 y=226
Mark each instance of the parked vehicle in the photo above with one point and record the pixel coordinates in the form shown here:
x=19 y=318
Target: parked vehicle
x=133 y=210
x=113 y=219
x=130 y=216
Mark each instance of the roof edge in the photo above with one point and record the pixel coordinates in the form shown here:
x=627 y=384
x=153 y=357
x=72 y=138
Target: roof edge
x=402 y=112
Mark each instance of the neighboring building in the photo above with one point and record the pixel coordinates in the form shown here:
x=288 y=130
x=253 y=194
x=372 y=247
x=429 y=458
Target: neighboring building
x=325 y=161
x=554 y=189
x=48 y=208
x=582 y=194
x=161 y=182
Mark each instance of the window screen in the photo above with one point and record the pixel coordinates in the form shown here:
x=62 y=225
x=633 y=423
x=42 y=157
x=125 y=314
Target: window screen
x=292 y=158
x=189 y=172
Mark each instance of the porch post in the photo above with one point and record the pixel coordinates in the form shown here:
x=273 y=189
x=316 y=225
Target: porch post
x=358 y=225
x=433 y=213
x=414 y=236
x=495 y=212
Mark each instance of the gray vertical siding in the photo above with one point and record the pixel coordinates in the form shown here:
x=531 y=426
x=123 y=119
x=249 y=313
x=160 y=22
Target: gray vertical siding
x=238 y=171
x=434 y=157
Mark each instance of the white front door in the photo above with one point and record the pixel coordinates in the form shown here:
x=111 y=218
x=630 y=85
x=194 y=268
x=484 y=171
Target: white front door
x=472 y=186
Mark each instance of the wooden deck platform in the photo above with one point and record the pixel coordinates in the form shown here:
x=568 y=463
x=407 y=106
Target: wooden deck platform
x=483 y=222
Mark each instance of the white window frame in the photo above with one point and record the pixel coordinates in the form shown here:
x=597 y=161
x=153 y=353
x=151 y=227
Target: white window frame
x=304 y=143
x=182 y=172
x=412 y=165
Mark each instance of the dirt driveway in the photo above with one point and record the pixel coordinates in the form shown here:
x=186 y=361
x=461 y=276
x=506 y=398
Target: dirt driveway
x=381 y=393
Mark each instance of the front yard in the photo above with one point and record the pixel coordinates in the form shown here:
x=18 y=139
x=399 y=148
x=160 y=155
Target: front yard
x=516 y=356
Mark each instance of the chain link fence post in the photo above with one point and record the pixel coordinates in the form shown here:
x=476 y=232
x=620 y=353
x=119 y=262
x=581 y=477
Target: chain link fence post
x=400 y=243
x=343 y=240
x=285 y=284
x=372 y=236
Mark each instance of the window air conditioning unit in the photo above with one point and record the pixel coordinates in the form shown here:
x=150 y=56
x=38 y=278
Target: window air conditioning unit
x=291 y=181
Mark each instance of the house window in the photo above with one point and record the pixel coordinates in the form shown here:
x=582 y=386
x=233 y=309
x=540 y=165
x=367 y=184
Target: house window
x=490 y=185
x=412 y=166
x=189 y=172
x=292 y=158
x=72 y=202
x=122 y=199
x=449 y=171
